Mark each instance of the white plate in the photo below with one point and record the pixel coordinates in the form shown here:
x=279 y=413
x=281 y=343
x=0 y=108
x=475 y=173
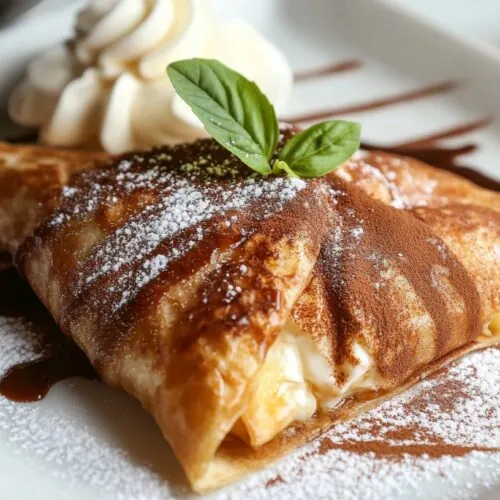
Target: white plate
x=85 y=440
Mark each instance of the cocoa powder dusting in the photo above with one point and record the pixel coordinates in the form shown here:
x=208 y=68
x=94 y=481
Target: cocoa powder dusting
x=377 y=258
x=413 y=439
x=382 y=449
x=418 y=431
x=274 y=481
x=446 y=429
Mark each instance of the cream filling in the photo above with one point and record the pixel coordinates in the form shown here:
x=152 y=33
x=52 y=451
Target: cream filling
x=297 y=379
x=492 y=327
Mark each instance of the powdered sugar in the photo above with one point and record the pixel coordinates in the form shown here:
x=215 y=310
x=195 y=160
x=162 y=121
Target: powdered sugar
x=19 y=342
x=349 y=476
x=183 y=202
x=87 y=437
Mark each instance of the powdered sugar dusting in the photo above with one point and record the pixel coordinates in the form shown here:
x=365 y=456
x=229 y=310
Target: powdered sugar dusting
x=84 y=436
x=175 y=200
x=20 y=342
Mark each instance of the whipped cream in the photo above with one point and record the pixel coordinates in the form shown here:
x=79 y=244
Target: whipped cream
x=108 y=86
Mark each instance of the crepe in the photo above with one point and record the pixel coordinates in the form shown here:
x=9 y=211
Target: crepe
x=29 y=175
x=248 y=314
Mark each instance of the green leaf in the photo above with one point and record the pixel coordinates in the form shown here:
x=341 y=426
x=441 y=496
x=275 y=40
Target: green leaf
x=321 y=148
x=233 y=109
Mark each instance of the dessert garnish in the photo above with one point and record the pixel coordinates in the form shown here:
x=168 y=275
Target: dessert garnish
x=237 y=114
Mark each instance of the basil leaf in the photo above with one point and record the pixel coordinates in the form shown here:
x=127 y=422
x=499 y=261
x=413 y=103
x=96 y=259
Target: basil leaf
x=321 y=148
x=233 y=109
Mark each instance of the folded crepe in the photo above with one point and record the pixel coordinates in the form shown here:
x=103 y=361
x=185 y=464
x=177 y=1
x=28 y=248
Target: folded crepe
x=249 y=314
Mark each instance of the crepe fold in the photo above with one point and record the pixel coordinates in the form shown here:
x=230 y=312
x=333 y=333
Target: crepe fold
x=248 y=314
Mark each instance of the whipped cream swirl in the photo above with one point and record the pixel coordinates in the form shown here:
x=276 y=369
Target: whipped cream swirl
x=108 y=88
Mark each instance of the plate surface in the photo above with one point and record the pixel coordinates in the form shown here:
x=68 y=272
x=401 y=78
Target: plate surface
x=85 y=440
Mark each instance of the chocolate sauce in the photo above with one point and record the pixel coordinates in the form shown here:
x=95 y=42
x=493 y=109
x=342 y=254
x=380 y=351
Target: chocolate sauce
x=429 y=150
x=444 y=159
x=31 y=381
x=5 y=261
x=328 y=70
x=426 y=149
x=456 y=131
x=26 y=138
x=414 y=95
x=28 y=382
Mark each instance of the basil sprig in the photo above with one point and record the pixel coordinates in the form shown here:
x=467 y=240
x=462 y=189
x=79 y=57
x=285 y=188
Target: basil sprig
x=240 y=117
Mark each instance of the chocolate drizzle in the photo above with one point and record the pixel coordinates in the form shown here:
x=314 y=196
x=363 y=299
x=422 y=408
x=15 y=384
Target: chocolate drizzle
x=404 y=97
x=31 y=381
x=327 y=70
x=429 y=150
x=5 y=261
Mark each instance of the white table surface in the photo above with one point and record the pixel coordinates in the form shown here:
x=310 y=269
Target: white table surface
x=475 y=19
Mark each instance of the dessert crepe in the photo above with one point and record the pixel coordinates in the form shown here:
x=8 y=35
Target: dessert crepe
x=248 y=314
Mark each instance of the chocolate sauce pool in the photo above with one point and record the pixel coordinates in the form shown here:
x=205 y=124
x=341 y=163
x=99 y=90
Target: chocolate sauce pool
x=31 y=381
x=429 y=150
